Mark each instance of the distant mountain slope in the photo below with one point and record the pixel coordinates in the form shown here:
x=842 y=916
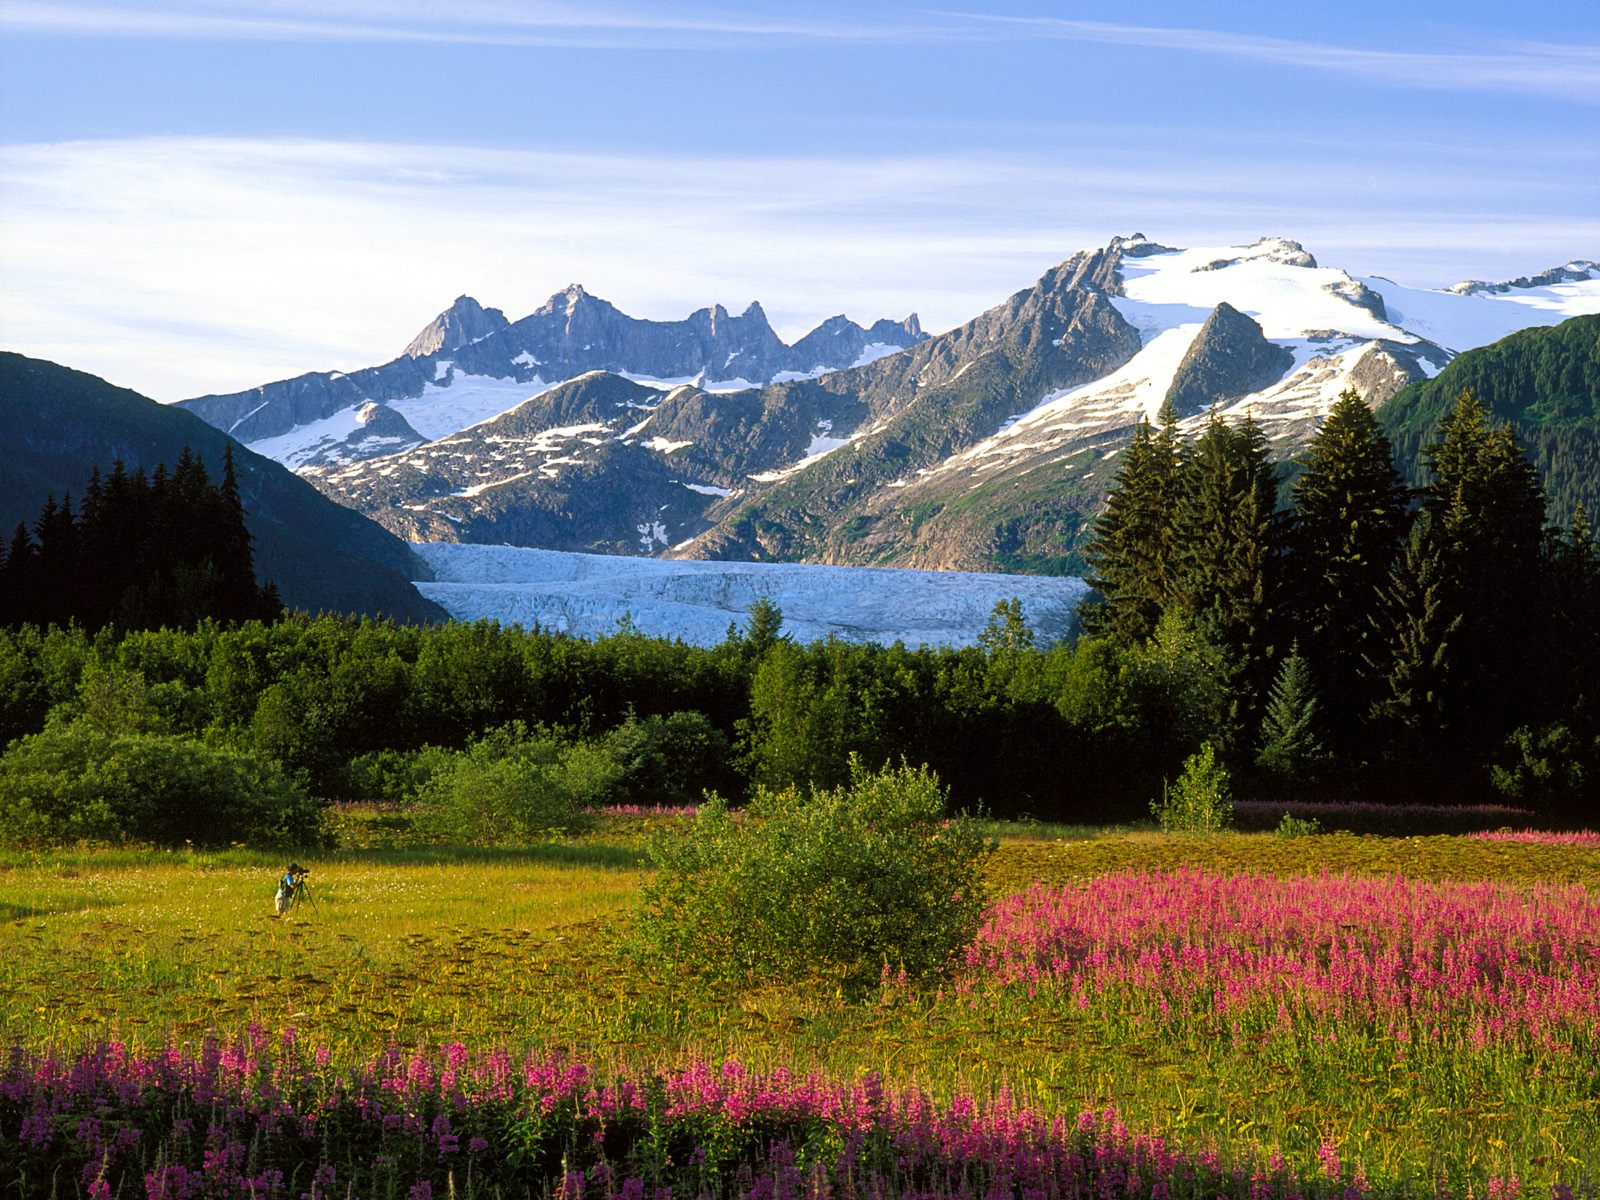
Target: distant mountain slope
x=1546 y=382
x=671 y=467
x=56 y=424
x=470 y=364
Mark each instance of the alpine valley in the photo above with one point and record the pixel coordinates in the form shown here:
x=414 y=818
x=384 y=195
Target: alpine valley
x=984 y=448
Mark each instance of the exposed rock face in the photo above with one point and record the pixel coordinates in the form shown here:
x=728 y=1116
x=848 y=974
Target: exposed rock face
x=464 y=322
x=558 y=471
x=1576 y=271
x=1229 y=358
x=839 y=340
x=1274 y=249
x=1361 y=296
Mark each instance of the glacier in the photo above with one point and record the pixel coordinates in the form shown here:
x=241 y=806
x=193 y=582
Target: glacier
x=592 y=595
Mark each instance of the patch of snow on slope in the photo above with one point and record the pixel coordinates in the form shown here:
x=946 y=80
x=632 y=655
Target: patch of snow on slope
x=479 y=489
x=466 y=401
x=663 y=384
x=1139 y=386
x=303 y=442
x=1320 y=372
x=587 y=594
x=820 y=446
x=873 y=351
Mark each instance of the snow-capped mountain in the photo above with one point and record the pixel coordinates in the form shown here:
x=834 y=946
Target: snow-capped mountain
x=1579 y=270
x=588 y=595
x=984 y=447
x=470 y=364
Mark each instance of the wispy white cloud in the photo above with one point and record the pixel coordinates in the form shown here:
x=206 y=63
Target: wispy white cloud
x=182 y=266
x=1568 y=72
x=468 y=22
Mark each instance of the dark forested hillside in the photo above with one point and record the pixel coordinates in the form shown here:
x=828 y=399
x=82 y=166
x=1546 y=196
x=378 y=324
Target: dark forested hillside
x=58 y=424
x=1545 y=382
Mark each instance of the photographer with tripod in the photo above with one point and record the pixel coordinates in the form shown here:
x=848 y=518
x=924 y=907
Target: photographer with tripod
x=292 y=890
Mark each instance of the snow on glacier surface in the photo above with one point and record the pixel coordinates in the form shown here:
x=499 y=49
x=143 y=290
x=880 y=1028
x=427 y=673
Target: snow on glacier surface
x=1164 y=291
x=588 y=594
x=1462 y=322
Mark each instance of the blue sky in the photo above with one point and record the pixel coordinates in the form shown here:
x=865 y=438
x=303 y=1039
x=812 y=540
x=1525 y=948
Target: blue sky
x=202 y=195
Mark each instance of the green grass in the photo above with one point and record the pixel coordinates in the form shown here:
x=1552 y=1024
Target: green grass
x=531 y=947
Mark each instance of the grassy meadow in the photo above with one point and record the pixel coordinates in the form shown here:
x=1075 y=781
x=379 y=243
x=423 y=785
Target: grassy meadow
x=531 y=950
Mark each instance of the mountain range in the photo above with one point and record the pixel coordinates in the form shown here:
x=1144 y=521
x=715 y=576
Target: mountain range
x=470 y=363
x=986 y=447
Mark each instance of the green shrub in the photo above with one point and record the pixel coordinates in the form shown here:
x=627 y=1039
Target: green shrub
x=837 y=883
x=1294 y=827
x=669 y=760
x=1544 y=769
x=513 y=786
x=72 y=783
x=1201 y=801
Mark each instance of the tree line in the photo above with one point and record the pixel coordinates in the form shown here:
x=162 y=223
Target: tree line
x=1439 y=643
x=141 y=552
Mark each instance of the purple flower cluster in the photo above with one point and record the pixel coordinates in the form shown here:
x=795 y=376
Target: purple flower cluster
x=260 y=1118
x=1540 y=837
x=1482 y=962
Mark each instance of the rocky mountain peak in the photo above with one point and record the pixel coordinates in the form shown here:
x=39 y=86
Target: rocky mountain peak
x=907 y=332
x=1230 y=357
x=464 y=322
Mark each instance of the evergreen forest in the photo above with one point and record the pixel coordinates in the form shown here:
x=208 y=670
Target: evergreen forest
x=1365 y=640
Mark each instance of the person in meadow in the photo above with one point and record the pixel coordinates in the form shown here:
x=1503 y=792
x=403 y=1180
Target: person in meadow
x=288 y=886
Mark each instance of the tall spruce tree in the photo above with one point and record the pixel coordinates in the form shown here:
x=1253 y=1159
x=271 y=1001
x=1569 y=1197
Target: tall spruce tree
x=1225 y=557
x=1132 y=556
x=1488 y=507
x=1572 y=653
x=1291 y=753
x=1349 y=514
x=1408 y=662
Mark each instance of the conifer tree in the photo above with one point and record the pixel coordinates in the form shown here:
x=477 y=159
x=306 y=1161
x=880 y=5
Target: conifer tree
x=1225 y=555
x=1132 y=554
x=1291 y=754
x=1409 y=659
x=1349 y=513
x=1488 y=508
x=168 y=550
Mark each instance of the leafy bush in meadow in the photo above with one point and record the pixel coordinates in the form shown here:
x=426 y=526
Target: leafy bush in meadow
x=1292 y=826
x=1201 y=801
x=837 y=882
x=73 y=782
x=669 y=760
x=514 y=784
